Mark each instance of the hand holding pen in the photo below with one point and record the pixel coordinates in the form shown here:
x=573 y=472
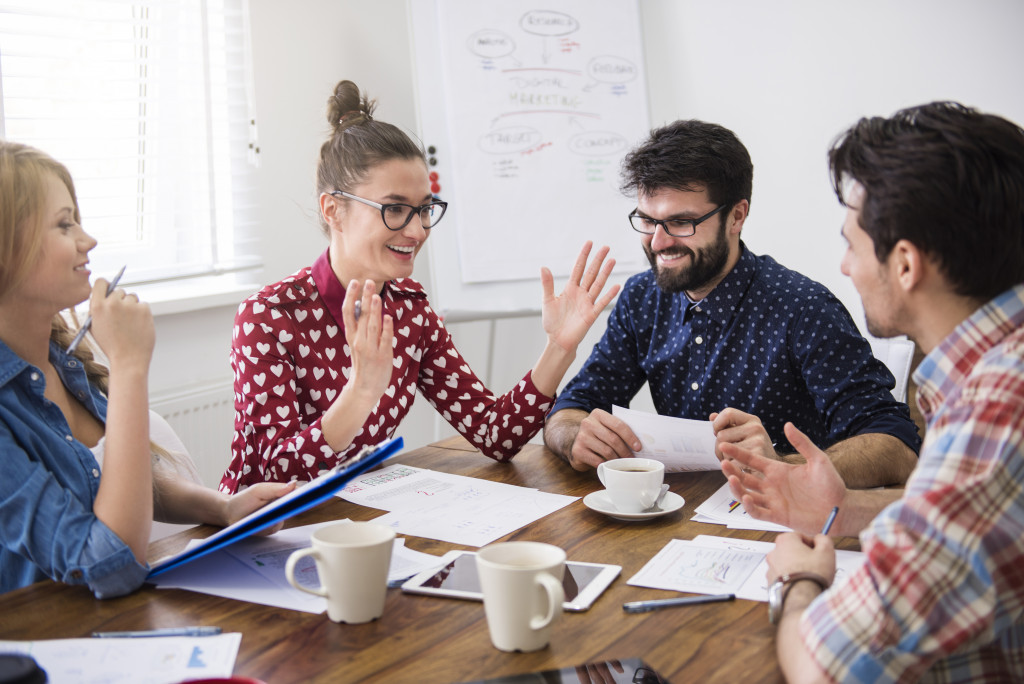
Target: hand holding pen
x=88 y=319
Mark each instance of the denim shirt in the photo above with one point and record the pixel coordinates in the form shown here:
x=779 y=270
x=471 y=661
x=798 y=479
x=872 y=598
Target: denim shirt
x=767 y=340
x=49 y=485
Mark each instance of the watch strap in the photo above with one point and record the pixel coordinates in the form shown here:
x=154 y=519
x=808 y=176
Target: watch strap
x=779 y=589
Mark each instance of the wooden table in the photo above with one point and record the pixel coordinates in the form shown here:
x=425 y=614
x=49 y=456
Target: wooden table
x=429 y=639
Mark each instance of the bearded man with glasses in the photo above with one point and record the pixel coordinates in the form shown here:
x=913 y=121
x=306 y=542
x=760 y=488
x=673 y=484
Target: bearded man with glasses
x=723 y=334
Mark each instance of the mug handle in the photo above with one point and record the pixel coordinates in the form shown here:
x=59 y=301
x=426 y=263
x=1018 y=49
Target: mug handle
x=600 y=473
x=289 y=571
x=556 y=595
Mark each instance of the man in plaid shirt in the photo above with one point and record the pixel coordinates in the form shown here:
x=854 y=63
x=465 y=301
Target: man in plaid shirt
x=935 y=234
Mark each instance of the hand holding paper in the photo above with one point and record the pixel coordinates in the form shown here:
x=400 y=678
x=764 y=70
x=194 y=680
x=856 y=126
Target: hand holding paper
x=680 y=443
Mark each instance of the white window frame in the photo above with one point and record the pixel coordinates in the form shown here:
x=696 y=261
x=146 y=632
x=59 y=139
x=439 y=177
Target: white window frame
x=190 y=224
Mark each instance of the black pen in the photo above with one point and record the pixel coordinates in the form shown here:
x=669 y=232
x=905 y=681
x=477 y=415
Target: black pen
x=831 y=519
x=88 y=319
x=165 y=632
x=658 y=604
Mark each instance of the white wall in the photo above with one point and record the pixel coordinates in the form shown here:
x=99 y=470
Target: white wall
x=787 y=76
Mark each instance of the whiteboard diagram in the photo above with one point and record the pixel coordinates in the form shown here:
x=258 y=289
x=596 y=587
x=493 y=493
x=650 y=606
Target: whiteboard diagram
x=541 y=106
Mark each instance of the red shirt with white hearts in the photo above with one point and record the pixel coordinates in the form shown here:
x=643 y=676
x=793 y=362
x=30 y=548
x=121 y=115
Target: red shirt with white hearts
x=290 y=360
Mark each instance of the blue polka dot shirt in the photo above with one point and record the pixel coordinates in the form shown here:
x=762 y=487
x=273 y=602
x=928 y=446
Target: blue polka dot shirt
x=767 y=340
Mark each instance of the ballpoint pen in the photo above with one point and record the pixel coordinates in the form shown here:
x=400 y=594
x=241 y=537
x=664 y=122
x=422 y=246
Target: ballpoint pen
x=165 y=632
x=644 y=606
x=831 y=519
x=88 y=319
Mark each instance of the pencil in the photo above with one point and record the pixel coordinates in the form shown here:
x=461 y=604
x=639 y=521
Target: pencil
x=831 y=519
x=88 y=319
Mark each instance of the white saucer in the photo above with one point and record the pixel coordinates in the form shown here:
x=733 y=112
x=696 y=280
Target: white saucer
x=599 y=501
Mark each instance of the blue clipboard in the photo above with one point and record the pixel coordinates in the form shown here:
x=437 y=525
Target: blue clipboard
x=302 y=499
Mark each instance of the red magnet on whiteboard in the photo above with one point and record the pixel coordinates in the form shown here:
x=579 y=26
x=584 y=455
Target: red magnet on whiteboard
x=433 y=176
x=435 y=188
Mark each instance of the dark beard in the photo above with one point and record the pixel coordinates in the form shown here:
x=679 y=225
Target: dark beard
x=704 y=267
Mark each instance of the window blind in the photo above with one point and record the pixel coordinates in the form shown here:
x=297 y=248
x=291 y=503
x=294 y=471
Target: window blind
x=149 y=105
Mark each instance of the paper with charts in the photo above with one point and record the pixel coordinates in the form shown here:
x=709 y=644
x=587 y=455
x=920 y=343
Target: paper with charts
x=682 y=444
x=162 y=660
x=721 y=508
x=721 y=565
x=451 y=508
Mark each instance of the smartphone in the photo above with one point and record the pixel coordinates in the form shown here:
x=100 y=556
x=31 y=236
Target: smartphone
x=457 y=578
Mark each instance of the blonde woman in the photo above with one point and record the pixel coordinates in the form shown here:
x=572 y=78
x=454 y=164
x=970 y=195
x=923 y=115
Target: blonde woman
x=79 y=483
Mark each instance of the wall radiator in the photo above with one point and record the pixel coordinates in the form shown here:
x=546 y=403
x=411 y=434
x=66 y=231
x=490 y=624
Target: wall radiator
x=203 y=416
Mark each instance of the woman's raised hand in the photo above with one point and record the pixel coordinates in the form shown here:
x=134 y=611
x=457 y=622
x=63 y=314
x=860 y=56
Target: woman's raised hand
x=370 y=338
x=568 y=317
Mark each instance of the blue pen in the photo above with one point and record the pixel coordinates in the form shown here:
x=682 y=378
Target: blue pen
x=831 y=519
x=88 y=319
x=165 y=632
x=658 y=604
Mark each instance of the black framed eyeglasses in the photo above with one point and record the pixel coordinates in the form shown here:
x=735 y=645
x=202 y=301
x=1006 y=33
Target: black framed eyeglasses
x=675 y=227
x=397 y=216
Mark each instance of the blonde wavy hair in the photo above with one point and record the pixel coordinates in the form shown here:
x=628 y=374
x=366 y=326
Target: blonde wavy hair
x=24 y=172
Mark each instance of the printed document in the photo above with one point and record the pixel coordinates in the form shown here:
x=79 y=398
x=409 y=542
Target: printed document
x=156 y=660
x=682 y=444
x=721 y=565
x=721 y=508
x=451 y=508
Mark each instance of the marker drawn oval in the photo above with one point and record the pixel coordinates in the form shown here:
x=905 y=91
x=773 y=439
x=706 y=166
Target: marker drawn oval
x=611 y=69
x=509 y=139
x=597 y=143
x=490 y=43
x=548 y=23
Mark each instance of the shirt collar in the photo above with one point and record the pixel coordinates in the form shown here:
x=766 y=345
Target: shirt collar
x=945 y=368
x=333 y=292
x=722 y=302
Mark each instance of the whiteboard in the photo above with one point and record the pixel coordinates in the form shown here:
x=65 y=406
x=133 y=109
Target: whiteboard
x=526 y=110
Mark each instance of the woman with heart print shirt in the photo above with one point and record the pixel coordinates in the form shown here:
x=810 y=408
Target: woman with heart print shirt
x=329 y=360
x=86 y=466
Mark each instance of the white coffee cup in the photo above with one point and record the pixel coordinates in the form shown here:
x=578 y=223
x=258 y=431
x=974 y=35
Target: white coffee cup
x=633 y=484
x=522 y=586
x=352 y=561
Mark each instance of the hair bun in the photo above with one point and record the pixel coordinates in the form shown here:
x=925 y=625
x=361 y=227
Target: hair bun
x=347 y=107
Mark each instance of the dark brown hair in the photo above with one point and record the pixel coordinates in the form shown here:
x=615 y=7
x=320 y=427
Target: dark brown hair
x=948 y=179
x=358 y=142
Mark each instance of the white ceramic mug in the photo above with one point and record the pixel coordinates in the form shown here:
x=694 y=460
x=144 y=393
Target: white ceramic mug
x=522 y=586
x=352 y=561
x=633 y=484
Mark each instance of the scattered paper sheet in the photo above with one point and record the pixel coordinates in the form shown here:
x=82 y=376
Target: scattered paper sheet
x=683 y=445
x=721 y=565
x=253 y=570
x=685 y=566
x=452 y=508
x=156 y=660
x=722 y=509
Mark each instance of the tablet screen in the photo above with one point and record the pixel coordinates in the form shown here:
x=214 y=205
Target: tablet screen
x=460 y=575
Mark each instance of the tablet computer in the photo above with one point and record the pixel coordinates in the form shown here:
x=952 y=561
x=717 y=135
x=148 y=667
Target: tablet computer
x=457 y=578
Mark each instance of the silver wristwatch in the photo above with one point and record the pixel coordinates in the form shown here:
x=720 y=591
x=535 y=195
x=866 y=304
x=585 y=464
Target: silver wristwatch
x=778 y=590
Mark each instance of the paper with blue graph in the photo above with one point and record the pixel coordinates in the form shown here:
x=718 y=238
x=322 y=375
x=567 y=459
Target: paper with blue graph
x=685 y=566
x=721 y=565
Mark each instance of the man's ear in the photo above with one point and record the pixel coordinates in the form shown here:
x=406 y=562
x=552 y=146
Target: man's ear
x=330 y=210
x=907 y=263
x=737 y=215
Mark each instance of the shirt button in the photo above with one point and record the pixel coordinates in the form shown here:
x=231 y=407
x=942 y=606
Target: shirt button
x=69 y=438
x=699 y=339
x=73 y=364
x=697 y=309
x=34 y=376
x=81 y=394
x=95 y=473
x=694 y=386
